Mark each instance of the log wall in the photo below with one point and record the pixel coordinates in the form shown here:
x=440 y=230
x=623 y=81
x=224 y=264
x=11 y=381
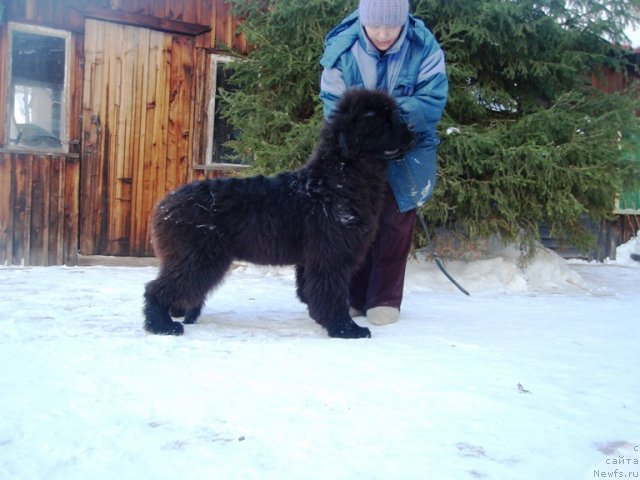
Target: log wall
x=70 y=15
x=38 y=209
x=128 y=147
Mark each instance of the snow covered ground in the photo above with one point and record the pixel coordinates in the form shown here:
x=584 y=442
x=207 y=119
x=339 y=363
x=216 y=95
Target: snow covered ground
x=534 y=376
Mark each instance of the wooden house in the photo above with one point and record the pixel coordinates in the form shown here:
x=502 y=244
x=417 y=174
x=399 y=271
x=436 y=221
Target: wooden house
x=626 y=222
x=108 y=105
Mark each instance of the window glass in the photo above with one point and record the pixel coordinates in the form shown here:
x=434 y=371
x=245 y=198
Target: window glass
x=223 y=131
x=37 y=88
x=220 y=129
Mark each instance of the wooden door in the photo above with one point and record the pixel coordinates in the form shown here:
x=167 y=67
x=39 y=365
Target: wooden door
x=137 y=111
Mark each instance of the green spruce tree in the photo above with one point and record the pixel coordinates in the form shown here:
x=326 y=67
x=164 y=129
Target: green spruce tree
x=526 y=139
x=276 y=105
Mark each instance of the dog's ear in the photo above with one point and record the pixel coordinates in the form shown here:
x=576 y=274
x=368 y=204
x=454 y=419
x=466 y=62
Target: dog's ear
x=342 y=141
x=351 y=135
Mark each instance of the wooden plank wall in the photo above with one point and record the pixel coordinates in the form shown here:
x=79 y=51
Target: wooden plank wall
x=610 y=81
x=135 y=110
x=144 y=168
x=38 y=209
x=67 y=14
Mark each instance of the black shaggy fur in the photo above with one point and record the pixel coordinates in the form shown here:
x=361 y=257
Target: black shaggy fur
x=320 y=218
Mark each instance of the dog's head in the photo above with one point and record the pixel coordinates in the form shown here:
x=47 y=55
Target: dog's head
x=368 y=125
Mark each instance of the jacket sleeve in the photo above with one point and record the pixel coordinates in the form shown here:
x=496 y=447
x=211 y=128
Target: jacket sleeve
x=332 y=86
x=423 y=109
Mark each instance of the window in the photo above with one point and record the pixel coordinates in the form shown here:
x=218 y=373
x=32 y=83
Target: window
x=219 y=130
x=38 y=88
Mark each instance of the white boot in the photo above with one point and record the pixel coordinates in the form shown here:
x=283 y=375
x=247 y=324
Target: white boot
x=383 y=315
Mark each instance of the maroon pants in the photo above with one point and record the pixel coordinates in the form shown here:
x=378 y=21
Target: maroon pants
x=380 y=279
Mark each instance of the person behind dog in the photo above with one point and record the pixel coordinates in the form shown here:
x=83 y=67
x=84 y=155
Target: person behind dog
x=382 y=46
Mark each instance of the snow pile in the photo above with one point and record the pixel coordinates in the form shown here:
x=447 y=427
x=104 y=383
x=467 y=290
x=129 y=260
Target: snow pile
x=624 y=252
x=502 y=271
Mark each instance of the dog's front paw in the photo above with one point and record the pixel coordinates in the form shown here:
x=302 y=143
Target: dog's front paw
x=173 y=328
x=349 y=330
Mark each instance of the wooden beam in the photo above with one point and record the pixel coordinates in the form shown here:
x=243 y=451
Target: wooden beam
x=146 y=21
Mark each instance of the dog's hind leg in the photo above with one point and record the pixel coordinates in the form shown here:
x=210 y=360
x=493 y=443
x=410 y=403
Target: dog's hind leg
x=156 y=316
x=181 y=288
x=176 y=312
x=300 y=283
x=204 y=278
x=191 y=315
x=327 y=294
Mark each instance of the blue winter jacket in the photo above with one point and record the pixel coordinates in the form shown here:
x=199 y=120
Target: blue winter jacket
x=413 y=72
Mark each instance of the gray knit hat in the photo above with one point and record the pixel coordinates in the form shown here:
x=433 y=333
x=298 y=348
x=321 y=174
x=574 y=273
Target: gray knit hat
x=384 y=13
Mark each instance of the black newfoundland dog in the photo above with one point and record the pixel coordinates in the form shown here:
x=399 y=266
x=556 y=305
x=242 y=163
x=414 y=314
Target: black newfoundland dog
x=320 y=218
